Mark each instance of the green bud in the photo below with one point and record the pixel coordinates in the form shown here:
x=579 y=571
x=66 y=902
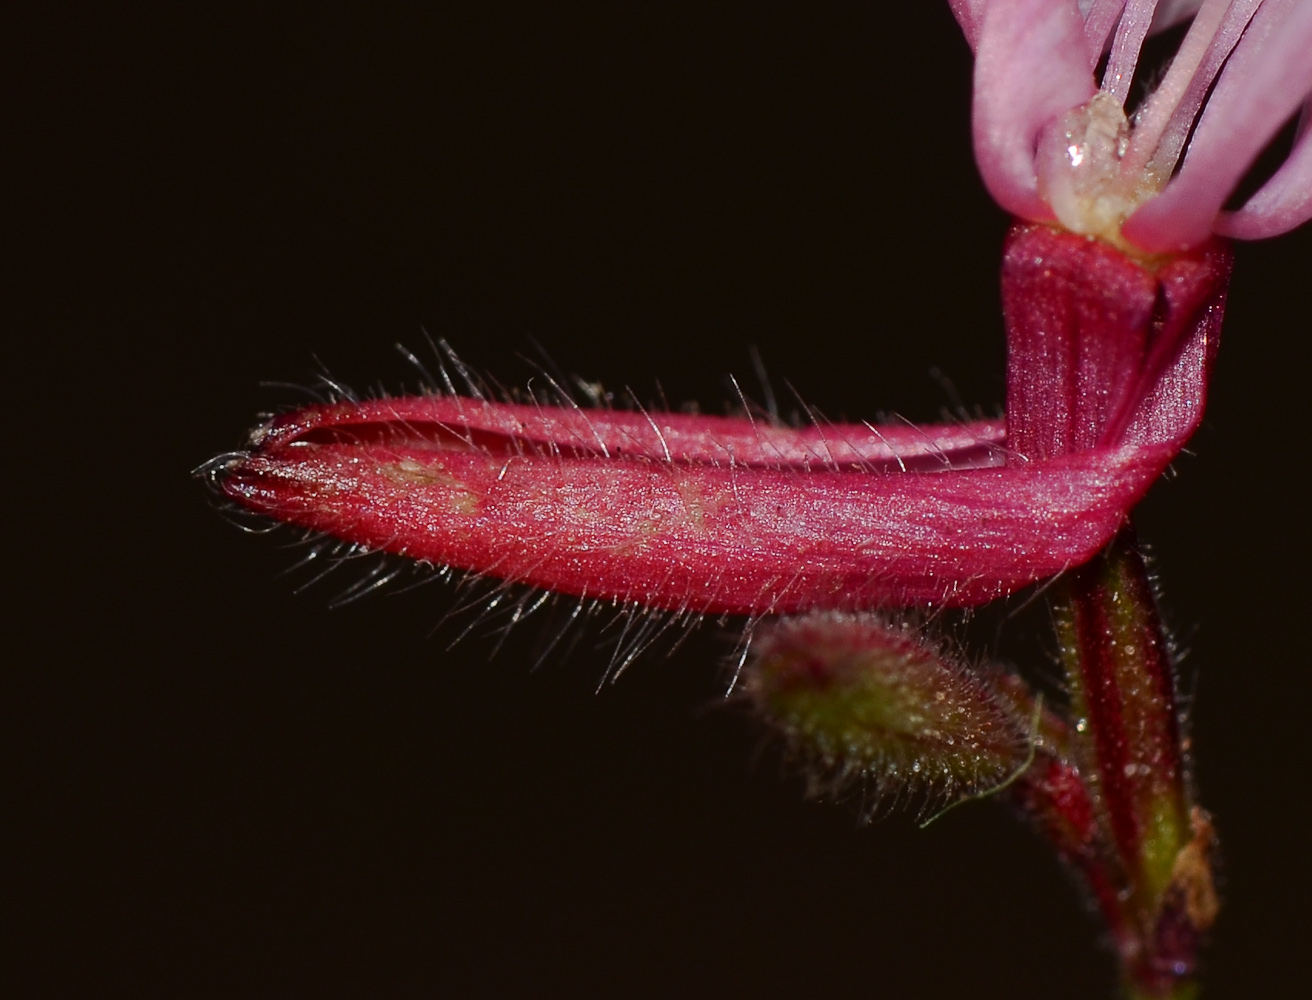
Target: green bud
x=873 y=705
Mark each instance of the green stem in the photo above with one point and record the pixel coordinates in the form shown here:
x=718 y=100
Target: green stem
x=1153 y=843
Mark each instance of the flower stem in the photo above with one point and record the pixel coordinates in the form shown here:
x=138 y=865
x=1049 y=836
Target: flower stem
x=1126 y=743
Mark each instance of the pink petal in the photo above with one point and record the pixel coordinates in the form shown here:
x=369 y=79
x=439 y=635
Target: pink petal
x=970 y=15
x=1031 y=67
x=1284 y=201
x=1268 y=76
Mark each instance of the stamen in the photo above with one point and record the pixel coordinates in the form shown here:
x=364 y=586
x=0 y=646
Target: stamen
x=1205 y=43
x=1103 y=15
x=1265 y=80
x=1130 y=33
x=1177 y=129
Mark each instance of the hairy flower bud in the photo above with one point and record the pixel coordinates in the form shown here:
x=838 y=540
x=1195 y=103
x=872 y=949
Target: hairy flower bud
x=874 y=704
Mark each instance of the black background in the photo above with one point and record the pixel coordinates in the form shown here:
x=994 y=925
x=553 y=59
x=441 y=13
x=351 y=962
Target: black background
x=228 y=788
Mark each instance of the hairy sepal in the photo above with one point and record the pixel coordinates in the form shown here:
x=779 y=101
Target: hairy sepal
x=672 y=437
x=685 y=535
x=1108 y=366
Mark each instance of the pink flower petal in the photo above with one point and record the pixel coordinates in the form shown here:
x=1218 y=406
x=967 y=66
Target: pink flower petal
x=1031 y=67
x=1283 y=202
x=970 y=15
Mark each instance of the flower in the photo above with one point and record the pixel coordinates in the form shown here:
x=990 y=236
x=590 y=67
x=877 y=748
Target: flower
x=1113 y=319
x=1108 y=363
x=1053 y=146
x=705 y=514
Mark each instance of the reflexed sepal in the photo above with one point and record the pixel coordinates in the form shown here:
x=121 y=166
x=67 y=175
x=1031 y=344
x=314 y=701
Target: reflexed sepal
x=872 y=704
